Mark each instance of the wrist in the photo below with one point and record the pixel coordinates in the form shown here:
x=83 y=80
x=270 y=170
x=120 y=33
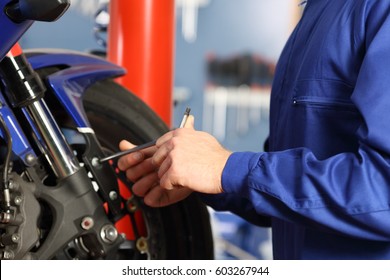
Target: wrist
x=237 y=169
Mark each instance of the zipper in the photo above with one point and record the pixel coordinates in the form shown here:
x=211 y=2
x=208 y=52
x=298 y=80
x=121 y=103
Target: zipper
x=289 y=57
x=324 y=102
x=281 y=84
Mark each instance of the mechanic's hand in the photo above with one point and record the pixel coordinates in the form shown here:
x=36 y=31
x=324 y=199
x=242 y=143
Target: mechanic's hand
x=143 y=173
x=190 y=159
x=183 y=160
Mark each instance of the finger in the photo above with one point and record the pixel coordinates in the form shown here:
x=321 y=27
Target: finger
x=168 y=180
x=164 y=167
x=125 y=145
x=145 y=184
x=161 y=153
x=190 y=122
x=128 y=160
x=158 y=197
x=163 y=139
x=132 y=159
x=167 y=136
x=135 y=172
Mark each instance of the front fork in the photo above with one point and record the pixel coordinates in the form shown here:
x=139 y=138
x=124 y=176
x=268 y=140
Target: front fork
x=25 y=90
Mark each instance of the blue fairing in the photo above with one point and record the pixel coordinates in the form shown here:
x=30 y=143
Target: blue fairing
x=80 y=72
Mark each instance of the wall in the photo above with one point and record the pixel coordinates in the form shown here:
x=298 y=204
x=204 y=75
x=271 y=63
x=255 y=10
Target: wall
x=72 y=31
x=227 y=28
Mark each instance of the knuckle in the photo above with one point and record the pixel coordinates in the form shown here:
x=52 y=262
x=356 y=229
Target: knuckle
x=174 y=142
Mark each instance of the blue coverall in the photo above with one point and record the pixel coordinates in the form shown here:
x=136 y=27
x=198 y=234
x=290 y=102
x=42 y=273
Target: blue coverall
x=325 y=181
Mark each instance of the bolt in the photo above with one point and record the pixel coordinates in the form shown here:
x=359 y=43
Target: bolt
x=109 y=233
x=8 y=255
x=113 y=195
x=15 y=238
x=5 y=217
x=95 y=162
x=142 y=244
x=18 y=200
x=131 y=205
x=30 y=159
x=87 y=223
x=12 y=185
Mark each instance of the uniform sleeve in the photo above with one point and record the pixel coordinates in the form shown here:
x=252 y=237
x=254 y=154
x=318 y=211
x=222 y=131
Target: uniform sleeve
x=348 y=193
x=237 y=205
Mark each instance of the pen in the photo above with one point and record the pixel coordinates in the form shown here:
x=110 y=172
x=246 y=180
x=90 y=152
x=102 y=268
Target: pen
x=146 y=145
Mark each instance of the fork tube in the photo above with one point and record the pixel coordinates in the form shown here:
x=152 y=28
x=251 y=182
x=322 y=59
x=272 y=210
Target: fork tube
x=57 y=151
x=26 y=91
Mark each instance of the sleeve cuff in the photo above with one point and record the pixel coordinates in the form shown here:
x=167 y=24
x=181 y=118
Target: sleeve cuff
x=237 y=170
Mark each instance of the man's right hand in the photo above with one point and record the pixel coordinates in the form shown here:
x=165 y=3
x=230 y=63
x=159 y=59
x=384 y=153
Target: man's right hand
x=143 y=173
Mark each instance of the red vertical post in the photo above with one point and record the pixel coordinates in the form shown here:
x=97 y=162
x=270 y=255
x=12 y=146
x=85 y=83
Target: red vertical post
x=141 y=39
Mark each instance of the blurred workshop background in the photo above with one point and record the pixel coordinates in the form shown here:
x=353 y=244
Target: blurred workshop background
x=224 y=59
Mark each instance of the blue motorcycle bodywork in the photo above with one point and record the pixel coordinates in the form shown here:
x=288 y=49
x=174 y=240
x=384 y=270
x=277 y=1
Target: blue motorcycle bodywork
x=10 y=32
x=79 y=71
x=70 y=84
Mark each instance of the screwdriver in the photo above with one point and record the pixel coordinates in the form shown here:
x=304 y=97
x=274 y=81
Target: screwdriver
x=146 y=145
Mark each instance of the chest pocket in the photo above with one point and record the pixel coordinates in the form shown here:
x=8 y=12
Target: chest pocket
x=324 y=94
x=327 y=119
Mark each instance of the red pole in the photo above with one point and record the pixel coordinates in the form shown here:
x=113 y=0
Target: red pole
x=141 y=39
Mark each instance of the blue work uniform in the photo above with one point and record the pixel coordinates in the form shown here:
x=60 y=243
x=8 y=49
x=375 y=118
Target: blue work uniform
x=325 y=181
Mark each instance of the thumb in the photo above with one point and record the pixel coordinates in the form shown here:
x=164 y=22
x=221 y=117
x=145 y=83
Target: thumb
x=190 y=122
x=125 y=145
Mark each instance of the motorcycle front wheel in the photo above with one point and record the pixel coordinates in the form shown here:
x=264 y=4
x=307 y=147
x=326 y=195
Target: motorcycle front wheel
x=179 y=231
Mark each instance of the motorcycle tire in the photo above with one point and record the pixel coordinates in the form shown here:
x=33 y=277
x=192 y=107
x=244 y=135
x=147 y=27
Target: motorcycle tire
x=179 y=231
x=116 y=114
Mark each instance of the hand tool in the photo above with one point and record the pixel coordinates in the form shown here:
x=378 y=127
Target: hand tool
x=146 y=145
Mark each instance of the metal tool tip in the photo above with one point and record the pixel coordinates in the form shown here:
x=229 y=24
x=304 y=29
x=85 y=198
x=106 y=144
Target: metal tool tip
x=188 y=110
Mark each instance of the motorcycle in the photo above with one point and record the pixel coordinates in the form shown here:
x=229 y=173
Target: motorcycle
x=60 y=112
